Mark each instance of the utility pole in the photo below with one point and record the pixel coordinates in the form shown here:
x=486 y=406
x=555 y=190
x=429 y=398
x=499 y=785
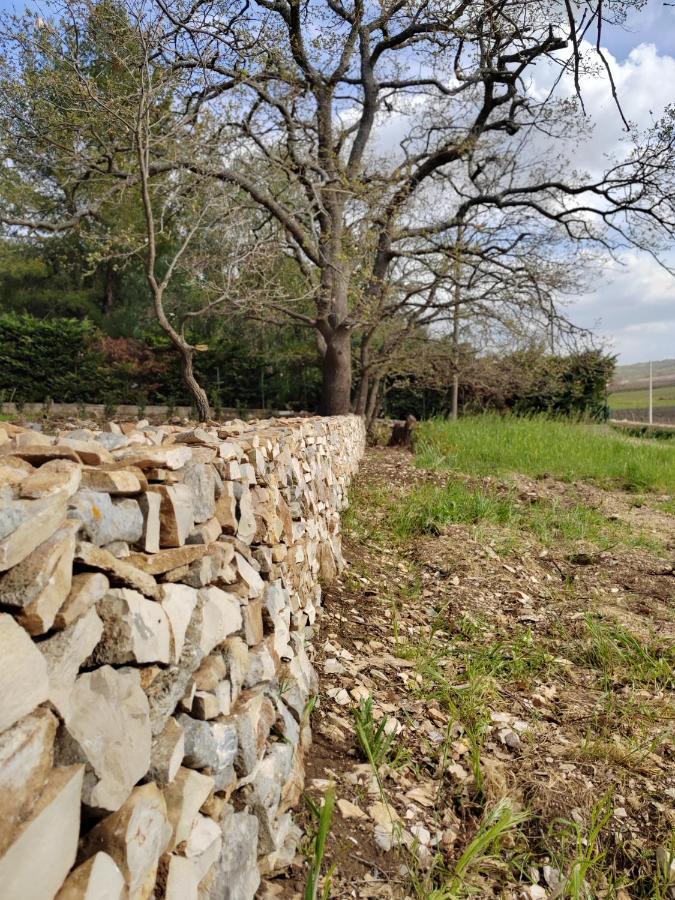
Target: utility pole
x=455 y=325
x=651 y=395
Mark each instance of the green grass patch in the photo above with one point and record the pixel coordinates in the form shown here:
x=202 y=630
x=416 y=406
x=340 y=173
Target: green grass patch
x=496 y=445
x=639 y=399
x=622 y=657
x=430 y=508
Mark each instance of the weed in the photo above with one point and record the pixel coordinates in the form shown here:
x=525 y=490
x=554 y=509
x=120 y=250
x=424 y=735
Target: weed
x=376 y=741
x=621 y=657
x=536 y=446
x=324 y=816
x=495 y=824
x=580 y=853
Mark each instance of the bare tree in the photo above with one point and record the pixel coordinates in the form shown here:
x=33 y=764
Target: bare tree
x=363 y=112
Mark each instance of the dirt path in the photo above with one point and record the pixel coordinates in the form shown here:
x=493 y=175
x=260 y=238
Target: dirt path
x=528 y=693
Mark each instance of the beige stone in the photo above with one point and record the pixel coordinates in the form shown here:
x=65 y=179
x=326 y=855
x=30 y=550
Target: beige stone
x=25 y=524
x=38 y=586
x=119 y=571
x=226 y=509
x=166 y=755
x=135 y=837
x=44 y=848
x=24 y=683
x=26 y=757
x=99 y=878
x=205 y=706
x=90 y=452
x=205 y=533
x=107 y=725
x=166 y=560
x=134 y=629
x=184 y=798
x=66 y=652
x=86 y=589
x=182 y=879
x=210 y=673
x=253 y=622
x=178 y=602
x=175 y=514
x=118 y=482
x=221 y=617
x=172 y=457
x=58 y=475
x=150 y=504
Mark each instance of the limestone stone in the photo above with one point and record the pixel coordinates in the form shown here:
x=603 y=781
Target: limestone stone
x=253 y=623
x=25 y=524
x=135 y=837
x=210 y=745
x=119 y=571
x=236 y=655
x=99 y=878
x=205 y=706
x=199 y=436
x=26 y=756
x=24 y=682
x=44 y=847
x=176 y=514
x=237 y=876
x=182 y=878
x=253 y=717
x=41 y=582
x=249 y=583
x=86 y=589
x=246 y=527
x=117 y=482
x=107 y=726
x=184 y=797
x=221 y=617
x=178 y=602
x=166 y=560
x=119 y=549
x=206 y=532
x=226 y=509
x=200 y=481
x=65 y=652
x=263 y=663
x=166 y=755
x=134 y=629
x=171 y=457
x=150 y=504
x=92 y=453
x=39 y=453
x=106 y=520
x=56 y=476
x=210 y=673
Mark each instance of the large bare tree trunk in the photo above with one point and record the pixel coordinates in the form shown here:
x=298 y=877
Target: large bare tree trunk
x=336 y=373
x=197 y=392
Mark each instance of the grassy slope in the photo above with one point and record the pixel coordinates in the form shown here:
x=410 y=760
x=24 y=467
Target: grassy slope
x=492 y=445
x=639 y=399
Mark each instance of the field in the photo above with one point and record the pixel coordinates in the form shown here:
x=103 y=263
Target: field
x=496 y=705
x=639 y=399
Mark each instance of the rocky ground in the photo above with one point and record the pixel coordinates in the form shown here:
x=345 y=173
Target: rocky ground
x=523 y=681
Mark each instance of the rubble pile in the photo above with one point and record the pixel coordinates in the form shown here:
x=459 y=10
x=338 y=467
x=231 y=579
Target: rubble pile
x=158 y=591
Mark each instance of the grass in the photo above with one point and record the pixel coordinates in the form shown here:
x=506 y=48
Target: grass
x=621 y=657
x=324 y=816
x=639 y=399
x=430 y=508
x=495 y=445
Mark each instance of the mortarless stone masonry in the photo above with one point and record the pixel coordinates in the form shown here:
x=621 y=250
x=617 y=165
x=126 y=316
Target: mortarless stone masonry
x=158 y=591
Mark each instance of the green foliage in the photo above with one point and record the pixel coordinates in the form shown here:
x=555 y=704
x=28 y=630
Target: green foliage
x=526 y=382
x=324 y=817
x=378 y=743
x=539 y=446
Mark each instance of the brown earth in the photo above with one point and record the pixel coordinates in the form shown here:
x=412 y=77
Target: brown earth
x=501 y=689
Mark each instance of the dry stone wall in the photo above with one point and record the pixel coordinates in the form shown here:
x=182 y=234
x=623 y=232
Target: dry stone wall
x=158 y=592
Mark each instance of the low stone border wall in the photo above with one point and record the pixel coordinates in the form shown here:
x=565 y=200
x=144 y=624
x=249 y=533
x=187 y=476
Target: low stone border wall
x=158 y=589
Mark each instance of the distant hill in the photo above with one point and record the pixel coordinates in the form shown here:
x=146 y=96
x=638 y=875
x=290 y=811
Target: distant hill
x=628 y=375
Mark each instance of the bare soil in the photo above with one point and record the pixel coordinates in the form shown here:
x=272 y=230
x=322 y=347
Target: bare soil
x=488 y=668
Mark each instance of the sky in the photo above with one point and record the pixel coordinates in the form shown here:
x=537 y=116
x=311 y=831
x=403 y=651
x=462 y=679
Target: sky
x=631 y=306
